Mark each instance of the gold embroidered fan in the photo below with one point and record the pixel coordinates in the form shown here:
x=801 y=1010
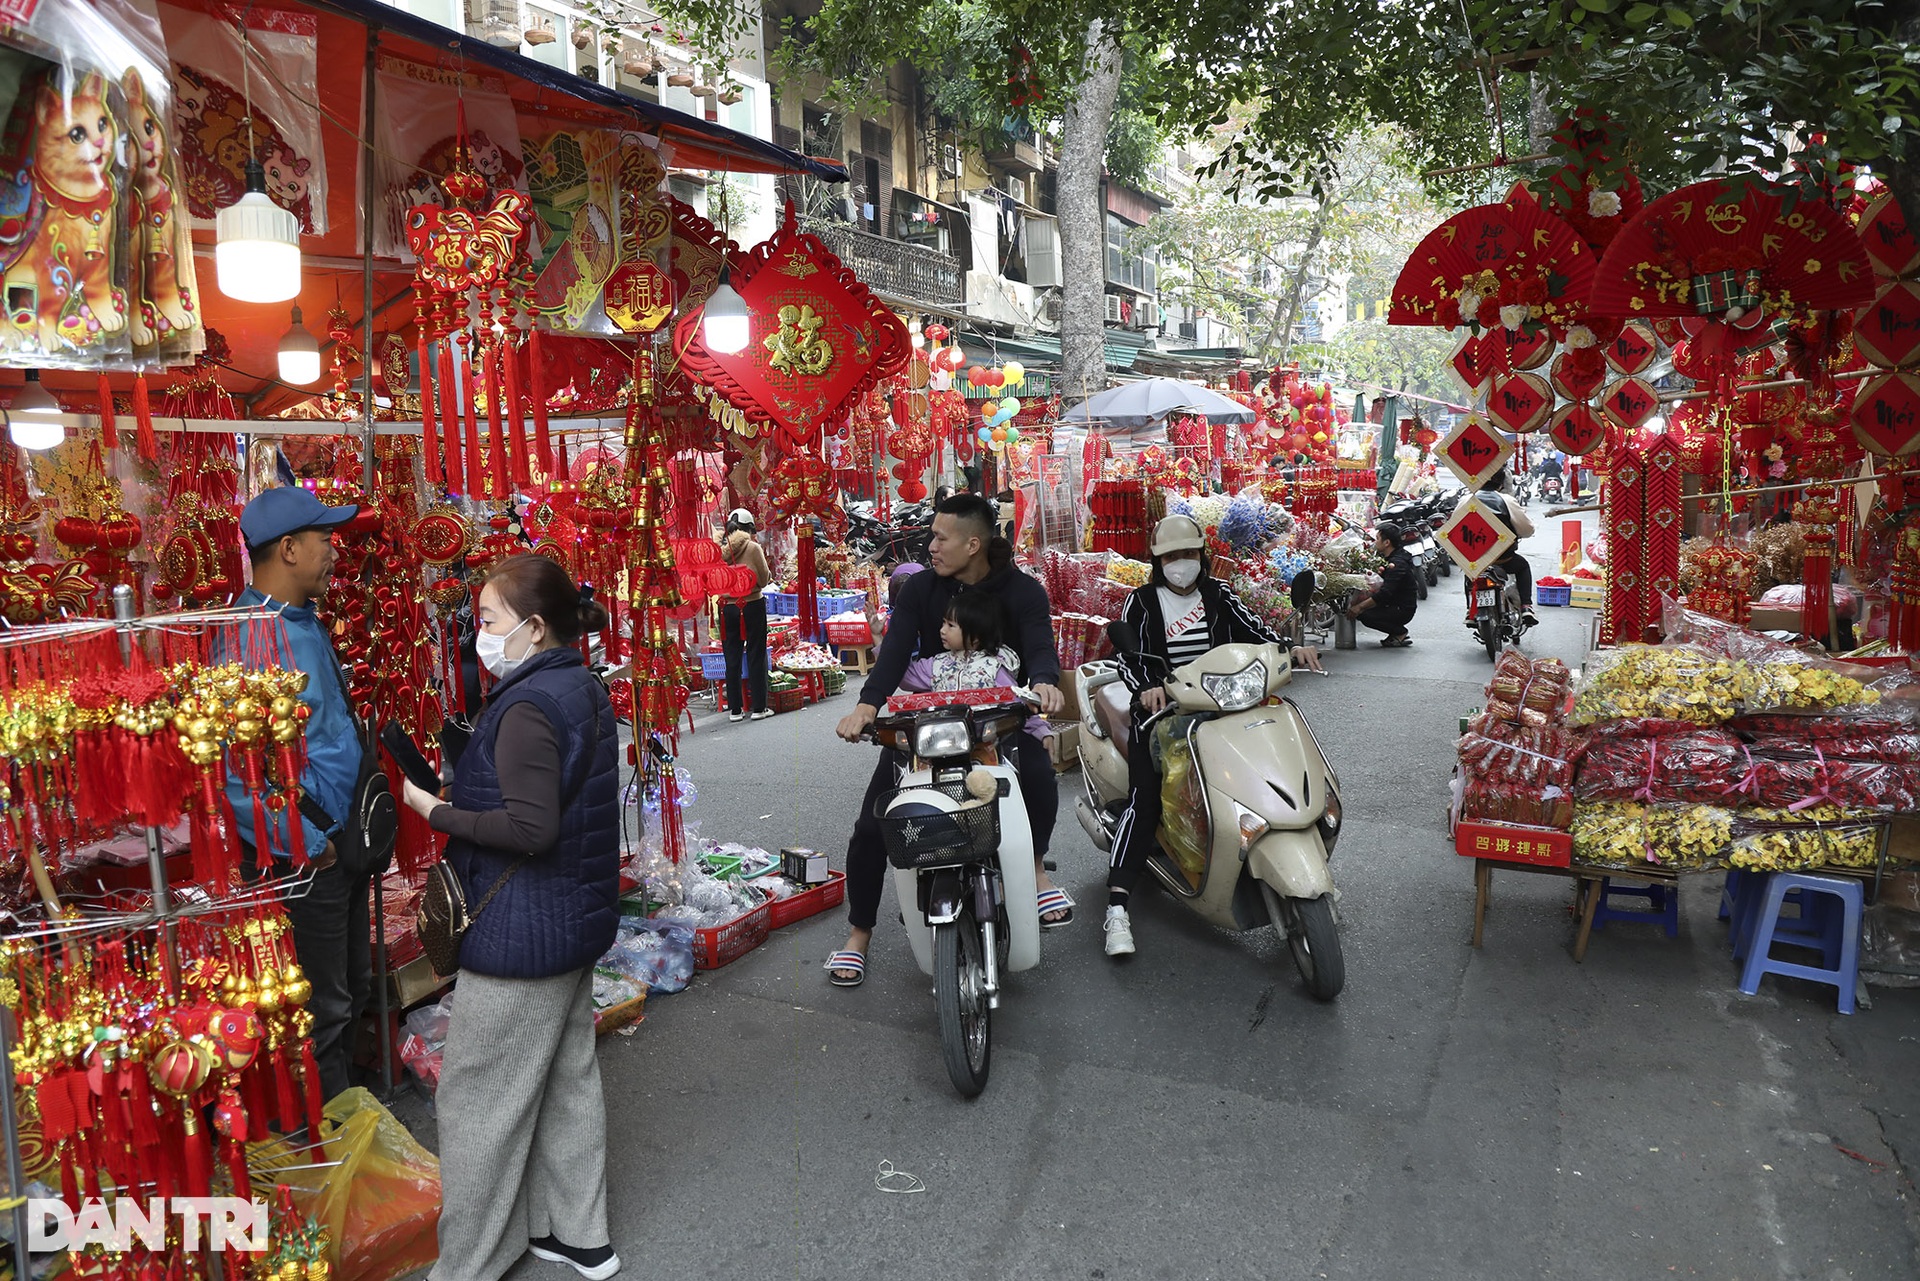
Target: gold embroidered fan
x=1509 y=265
x=1728 y=249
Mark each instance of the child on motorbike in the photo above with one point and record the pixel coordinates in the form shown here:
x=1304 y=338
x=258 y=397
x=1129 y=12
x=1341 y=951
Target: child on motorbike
x=1180 y=614
x=975 y=658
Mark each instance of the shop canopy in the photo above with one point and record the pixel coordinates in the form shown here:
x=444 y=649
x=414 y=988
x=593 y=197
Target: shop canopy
x=351 y=36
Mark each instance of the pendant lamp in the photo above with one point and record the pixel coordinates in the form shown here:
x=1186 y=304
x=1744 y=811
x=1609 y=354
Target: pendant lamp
x=33 y=420
x=299 y=354
x=724 y=322
x=256 y=255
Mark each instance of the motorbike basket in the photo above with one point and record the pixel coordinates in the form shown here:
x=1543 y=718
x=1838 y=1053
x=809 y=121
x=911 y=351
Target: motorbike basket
x=922 y=836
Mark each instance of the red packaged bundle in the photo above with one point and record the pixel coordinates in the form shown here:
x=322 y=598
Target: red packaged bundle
x=949 y=698
x=1516 y=804
x=1801 y=783
x=1491 y=757
x=1529 y=692
x=1703 y=767
x=1852 y=743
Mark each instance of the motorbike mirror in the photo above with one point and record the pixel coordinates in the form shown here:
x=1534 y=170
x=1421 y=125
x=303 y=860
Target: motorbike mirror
x=1125 y=637
x=1302 y=589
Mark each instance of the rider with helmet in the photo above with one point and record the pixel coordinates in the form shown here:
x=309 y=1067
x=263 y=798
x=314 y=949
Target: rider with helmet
x=1498 y=498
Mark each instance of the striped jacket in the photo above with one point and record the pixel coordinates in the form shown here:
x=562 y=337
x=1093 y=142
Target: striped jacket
x=1228 y=622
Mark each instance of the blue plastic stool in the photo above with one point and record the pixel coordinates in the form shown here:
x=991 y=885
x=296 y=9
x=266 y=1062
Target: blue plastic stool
x=1838 y=930
x=1663 y=903
x=1730 y=894
x=1808 y=929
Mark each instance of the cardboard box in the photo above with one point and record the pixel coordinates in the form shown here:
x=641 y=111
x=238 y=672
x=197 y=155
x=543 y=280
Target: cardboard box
x=807 y=867
x=1065 y=745
x=1589 y=593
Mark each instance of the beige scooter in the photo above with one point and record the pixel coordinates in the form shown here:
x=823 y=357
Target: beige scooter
x=1252 y=807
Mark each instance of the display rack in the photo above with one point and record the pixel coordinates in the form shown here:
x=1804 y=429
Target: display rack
x=165 y=910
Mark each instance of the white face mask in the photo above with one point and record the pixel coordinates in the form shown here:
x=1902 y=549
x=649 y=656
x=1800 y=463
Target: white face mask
x=1181 y=574
x=493 y=651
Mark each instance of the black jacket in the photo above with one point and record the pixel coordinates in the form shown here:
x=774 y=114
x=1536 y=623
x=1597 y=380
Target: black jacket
x=1228 y=623
x=914 y=630
x=1397 y=588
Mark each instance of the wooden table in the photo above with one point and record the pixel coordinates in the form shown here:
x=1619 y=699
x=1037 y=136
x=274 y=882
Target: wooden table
x=1586 y=892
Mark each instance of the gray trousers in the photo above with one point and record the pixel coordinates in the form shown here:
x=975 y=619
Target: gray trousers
x=523 y=1123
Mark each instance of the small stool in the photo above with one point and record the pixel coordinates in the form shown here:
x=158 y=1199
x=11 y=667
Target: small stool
x=1838 y=944
x=1662 y=900
x=858 y=657
x=813 y=686
x=1807 y=929
x=1730 y=893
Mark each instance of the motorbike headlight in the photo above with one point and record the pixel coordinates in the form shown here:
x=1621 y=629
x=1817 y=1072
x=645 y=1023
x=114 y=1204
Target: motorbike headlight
x=933 y=740
x=1237 y=691
x=1330 y=821
x=1252 y=828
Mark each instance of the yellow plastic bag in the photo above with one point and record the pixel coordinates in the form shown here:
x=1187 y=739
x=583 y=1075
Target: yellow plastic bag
x=380 y=1205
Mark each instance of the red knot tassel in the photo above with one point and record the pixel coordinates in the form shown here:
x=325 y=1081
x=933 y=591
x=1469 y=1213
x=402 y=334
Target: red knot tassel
x=109 y=430
x=475 y=463
x=499 y=473
x=430 y=437
x=450 y=415
x=537 y=393
x=516 y=415
x=143 y=420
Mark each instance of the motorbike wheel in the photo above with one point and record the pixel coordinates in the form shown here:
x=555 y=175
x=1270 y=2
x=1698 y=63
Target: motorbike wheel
x=1433 y=574
x=1315 y=941
x=1490 y=637
x=1446 y=566
x=959 y=993
x=1420 y=585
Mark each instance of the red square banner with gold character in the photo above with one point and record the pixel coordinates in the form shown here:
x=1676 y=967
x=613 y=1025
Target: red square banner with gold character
x=818 y=340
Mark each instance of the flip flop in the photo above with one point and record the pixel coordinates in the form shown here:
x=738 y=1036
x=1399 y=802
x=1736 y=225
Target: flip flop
x=1055 y=900
x=854 y=961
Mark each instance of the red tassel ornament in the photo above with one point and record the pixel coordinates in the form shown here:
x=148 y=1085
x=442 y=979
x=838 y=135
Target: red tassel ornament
x=143 y=420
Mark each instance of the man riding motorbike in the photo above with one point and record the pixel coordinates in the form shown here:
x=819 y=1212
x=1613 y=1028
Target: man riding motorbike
x=1180 y=614
x=1390 y=607
x=1498 y=497
x=966 y=556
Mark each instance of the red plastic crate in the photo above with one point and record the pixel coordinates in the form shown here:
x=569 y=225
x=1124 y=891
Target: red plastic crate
x=798 y=907
x=852 y=633
x=723 y=944
x=1540 y=846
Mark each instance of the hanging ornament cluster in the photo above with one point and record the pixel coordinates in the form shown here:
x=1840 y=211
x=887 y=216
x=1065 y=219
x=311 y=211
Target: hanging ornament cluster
x=199 y=538
x=135 y=1082
x=653 y=593
x=1886 y=412
x=473 y=302
x=997 y=429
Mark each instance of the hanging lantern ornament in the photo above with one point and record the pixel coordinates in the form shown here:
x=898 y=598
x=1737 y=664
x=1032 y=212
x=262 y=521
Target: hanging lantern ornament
x=471 y=283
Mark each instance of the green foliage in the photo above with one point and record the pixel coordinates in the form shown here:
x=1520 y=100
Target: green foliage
x=1371 y=353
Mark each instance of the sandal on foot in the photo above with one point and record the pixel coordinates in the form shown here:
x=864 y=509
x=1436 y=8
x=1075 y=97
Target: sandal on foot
x=1055 y=900
x=1402 y=641
x=854 y=961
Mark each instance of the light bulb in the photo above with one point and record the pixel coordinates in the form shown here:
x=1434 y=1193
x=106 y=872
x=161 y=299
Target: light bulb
x=33 y=420
x=257 y=254
x=33 y=398
x=299 y=354
x=725 y=323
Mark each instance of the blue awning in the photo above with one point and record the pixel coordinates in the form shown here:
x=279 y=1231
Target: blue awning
x=704 y=144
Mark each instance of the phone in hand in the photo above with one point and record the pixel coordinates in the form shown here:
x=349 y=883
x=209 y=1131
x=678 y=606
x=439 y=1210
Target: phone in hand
x=412 y=761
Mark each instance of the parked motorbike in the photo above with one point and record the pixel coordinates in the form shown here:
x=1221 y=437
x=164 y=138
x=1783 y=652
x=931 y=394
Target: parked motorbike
x=1246 y=842
x=900 y=539
x=1495 y=612
x=957 y=837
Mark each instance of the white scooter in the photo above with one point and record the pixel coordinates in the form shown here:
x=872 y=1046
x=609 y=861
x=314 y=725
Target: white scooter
x=957 y=836
x=1252 y=807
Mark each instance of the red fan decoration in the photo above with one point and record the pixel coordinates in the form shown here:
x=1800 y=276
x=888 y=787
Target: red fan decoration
x=1511 y=264
x=1717 y=249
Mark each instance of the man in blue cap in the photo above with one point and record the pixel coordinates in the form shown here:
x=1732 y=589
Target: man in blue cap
x=289 y=537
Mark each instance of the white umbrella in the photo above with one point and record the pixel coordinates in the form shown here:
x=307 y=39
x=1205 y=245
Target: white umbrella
x=1150 y=400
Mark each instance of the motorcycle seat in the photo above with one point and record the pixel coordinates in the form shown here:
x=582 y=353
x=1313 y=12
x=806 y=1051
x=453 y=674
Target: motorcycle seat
x=1113 y=707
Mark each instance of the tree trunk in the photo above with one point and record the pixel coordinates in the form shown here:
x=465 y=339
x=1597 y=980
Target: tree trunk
x=1297 y=290
x=1083 y=224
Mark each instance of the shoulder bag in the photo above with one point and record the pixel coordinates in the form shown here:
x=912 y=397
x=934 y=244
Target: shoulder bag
x=442 y=918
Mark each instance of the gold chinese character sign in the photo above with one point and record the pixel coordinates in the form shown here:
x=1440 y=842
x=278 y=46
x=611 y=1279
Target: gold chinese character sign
x=819 y=338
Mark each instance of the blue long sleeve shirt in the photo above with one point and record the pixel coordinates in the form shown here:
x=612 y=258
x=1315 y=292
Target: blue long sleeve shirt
x=332 y=739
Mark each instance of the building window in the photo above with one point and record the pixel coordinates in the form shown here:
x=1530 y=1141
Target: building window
x=1134 y=268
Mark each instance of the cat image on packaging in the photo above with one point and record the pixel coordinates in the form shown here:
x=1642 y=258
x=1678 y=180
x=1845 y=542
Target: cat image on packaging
x=164 y=292
x=62 y=227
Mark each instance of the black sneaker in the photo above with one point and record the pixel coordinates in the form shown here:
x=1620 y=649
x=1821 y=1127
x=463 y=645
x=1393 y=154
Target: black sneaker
x=594 y=1264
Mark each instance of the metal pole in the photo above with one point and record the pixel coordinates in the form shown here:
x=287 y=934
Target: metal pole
x=163 y=908
x=382 y=1032
x=16 y=1172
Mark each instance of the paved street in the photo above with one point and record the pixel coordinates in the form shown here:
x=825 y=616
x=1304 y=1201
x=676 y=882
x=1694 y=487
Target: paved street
x=1192 y=1114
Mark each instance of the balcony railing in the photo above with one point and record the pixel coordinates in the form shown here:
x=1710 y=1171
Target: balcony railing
x=893 y=267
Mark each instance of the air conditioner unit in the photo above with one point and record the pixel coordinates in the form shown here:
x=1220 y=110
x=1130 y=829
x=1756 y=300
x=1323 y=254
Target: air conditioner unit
x=1017 y=188
x=949 y=160
x=1190 y=330
x=1146 y=315
x=1043 y=254
x=1113 y=309
x=1050 y=308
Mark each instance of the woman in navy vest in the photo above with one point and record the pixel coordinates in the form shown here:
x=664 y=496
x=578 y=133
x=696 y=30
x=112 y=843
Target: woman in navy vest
x=534 y=828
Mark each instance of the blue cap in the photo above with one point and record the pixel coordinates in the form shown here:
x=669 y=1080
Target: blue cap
x=288 y=510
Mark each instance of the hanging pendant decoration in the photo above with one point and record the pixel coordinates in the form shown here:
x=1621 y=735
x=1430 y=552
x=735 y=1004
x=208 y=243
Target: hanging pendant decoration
x=473 y=279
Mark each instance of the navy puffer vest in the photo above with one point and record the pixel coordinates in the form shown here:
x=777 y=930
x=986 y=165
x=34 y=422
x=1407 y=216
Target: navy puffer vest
x=559 y=912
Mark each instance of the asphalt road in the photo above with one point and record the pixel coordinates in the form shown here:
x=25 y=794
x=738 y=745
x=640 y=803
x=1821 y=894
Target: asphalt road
x=1192 y=1114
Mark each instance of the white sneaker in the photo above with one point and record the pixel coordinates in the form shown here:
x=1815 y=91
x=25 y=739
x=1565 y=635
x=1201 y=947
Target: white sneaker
x=763 y=714
x=1119 y=931
x=736 y=716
